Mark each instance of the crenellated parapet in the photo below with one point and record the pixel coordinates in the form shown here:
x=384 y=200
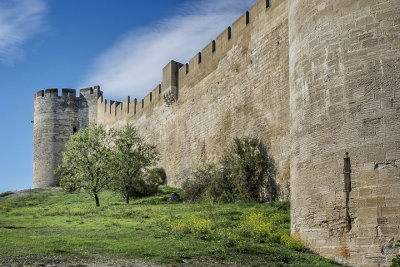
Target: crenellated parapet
x=66 y=92
x=111 y=111
x=178 y=76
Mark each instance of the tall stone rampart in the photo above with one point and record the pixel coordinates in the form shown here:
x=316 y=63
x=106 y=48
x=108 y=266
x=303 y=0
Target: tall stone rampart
x=238 y=85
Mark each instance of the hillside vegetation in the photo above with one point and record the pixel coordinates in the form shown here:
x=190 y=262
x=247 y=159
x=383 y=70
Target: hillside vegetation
x=52 y=227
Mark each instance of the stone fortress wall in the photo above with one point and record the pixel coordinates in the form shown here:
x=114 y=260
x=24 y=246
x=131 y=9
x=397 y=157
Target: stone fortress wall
x=314 y=79
x=238 y=85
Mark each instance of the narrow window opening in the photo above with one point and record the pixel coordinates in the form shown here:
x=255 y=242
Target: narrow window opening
x=74 y=130
x=347 y=188
x=213 y=46
x=159 y=89
x=151 y=96
x=187 y=68
x=199 y=58
x=247 y=17
x=229 y=33
x=268 y=3
x=142 y=103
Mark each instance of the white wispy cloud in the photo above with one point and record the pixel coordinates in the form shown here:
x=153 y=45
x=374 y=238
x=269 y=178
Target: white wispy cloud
x=133 y=65
x=20 y=20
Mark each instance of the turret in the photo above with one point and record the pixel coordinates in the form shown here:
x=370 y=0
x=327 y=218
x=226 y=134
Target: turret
x=56 y=118
x=345 y=97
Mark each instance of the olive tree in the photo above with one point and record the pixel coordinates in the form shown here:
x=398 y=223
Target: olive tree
x=132 y=158
x=87 y=161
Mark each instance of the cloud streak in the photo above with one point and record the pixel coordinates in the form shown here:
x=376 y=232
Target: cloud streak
x=133 y=65
x=20 y=20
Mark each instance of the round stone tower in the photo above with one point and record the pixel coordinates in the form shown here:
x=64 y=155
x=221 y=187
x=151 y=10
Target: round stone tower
x=345 y=97
x=56 y=118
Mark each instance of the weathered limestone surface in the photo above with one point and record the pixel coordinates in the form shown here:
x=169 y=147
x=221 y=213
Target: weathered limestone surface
x=240 y=89
x=345 y=97
x=314 y=79
x=55 y=119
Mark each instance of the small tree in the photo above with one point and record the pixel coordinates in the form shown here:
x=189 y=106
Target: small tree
x=86 y=161
x=132 y=158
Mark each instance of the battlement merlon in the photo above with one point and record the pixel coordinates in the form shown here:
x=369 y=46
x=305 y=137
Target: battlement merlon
x=91 y=90
x=50 y=92
x=170 y=81
x=68 y=92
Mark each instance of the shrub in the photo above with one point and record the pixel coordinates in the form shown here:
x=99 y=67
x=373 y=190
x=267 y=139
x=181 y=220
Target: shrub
x=160 y=174
x=246 y=173
x=219 y=189
x=149 y=184
x=194 y=188
x=249 y=170
x=396 y=262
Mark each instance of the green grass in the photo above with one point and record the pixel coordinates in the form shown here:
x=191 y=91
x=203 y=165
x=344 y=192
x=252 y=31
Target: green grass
x=56 y=226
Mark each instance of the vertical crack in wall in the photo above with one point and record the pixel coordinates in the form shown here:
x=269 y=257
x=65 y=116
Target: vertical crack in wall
x=347 y=188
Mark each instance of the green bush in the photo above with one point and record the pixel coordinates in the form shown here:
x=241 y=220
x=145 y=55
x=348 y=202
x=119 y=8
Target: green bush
x=245 y=173
x=396 y=262
x=249 y=170
x=219 y=189
x=158 y=174
x=194 y=188
x=151 y=181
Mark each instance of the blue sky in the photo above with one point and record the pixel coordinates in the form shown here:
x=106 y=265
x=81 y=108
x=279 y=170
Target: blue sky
x=121 y=45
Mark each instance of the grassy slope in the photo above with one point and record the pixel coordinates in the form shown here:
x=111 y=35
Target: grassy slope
x=55 y=226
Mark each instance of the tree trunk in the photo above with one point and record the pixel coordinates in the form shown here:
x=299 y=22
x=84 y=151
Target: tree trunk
x=127 y=199
x=96 y=197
